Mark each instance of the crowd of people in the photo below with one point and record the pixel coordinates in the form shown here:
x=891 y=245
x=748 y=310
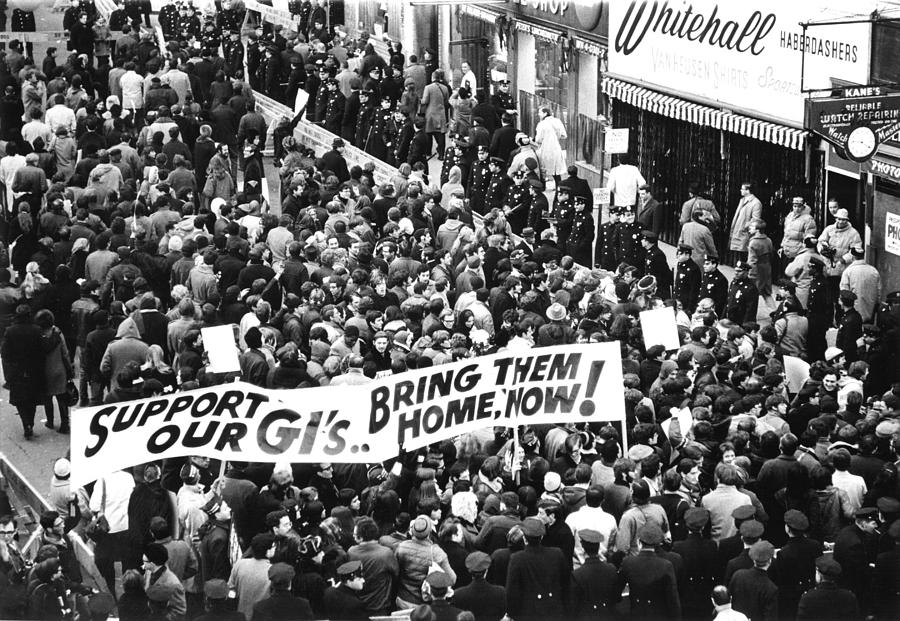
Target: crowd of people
x=136 y=214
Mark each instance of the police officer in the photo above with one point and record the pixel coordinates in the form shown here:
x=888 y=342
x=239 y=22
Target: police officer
x=827 y=600
x=565 y=217
x=342 y=601
x=376 y=142
x=656 y=264
x=700 y=558
x=651 y=580
x=607 y=238
x=628 y=241
x=885 y=586
x=233 y=52
x=540 y=206
x=334 y=107
x=794 y=567
x=592 y=590
x=404 y=132
x=480 y=597
x=454 y=155
x=581 y=237
x=502 y=100
x=498 y=185
x=743 y=296
x=686 y=279
x=855 y=547
x=479 y=180
x=364 y=119
x=753 y=592
x=517 y=203
x=536 y=578
x=713 y=284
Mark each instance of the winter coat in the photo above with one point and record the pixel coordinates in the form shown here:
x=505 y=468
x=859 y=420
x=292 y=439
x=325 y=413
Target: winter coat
x=23 y=363
x=748 y=209
x=547 y=136
x=434 y=107
x=796 y=228
x=127 y=347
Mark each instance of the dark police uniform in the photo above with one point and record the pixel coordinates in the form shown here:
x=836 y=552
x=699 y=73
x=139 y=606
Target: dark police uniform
x=518 y=199
x=628 y=245
x=794 y=572
x=581 y=236
x=479 y=181
x=592 y=589
x=607 y=245
x=342 y=602
x=653 y=588
x=453 y=156
x=484 y=600
x=363 y=124
x=714 y=285
x=497 y=189
x=656 y=265
x=536 y=583
x=743 y=300
x=687 y=285
x=334 y=111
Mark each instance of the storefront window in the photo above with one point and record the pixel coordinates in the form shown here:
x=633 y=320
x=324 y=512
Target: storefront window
x=551 y=82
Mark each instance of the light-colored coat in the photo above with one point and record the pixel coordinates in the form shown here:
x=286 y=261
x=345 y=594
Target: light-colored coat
x=865 y=281
x=796 y=228
x=748 y=209
x=547 y=136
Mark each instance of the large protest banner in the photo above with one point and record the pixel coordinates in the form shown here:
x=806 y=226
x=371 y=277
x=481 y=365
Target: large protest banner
x=353 y=424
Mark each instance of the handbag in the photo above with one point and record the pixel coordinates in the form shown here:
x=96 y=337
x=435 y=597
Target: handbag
x=99 y=525
x=72 y=393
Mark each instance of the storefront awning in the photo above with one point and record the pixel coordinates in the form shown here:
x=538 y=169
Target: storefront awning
x=684 y=110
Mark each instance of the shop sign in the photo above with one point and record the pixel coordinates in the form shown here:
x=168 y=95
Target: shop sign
x=892 y=232
x=856 y=124
x=745 y=55
x=884 y=168
x=616 y=140
x=584 y=15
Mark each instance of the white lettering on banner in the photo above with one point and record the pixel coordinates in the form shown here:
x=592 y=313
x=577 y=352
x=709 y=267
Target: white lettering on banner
x=353 y=424
x=892 y=233
x=740 y=54
x=556 y=7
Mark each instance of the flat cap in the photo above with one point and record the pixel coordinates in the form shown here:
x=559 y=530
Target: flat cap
x=439 y=580
x=751 y=529
x=744 y=512
x=478 y=561
x=685 y=248
x=533 y=527
x=651 y=535
x=650 y=236
x=349 y=569
x=591 y=536
x=828 y=567
x=796 y=520
x=281 y=572
x=696 y=518
x=762 y=552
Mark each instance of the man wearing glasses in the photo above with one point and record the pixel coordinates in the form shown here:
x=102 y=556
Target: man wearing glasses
x=13 y=571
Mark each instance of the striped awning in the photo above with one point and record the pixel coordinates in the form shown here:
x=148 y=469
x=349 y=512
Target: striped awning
x=684 y=110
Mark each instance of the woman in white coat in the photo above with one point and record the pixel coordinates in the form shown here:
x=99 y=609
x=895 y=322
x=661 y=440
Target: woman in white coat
x=547 y=136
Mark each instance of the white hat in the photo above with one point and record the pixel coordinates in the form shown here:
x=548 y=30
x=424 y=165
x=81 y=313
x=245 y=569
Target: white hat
x=552 y=481
x=833 y=352
x=842 y=213
x=62 y=468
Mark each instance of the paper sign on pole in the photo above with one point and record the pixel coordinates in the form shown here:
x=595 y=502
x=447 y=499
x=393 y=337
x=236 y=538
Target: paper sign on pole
x=659 y=328
x=616 y=140
x=602 y=196
x=354 y=424
x=892 y=232
x=218 y=342
x=796 y=372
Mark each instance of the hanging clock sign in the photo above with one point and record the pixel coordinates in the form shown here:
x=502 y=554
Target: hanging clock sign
x=857 y=122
